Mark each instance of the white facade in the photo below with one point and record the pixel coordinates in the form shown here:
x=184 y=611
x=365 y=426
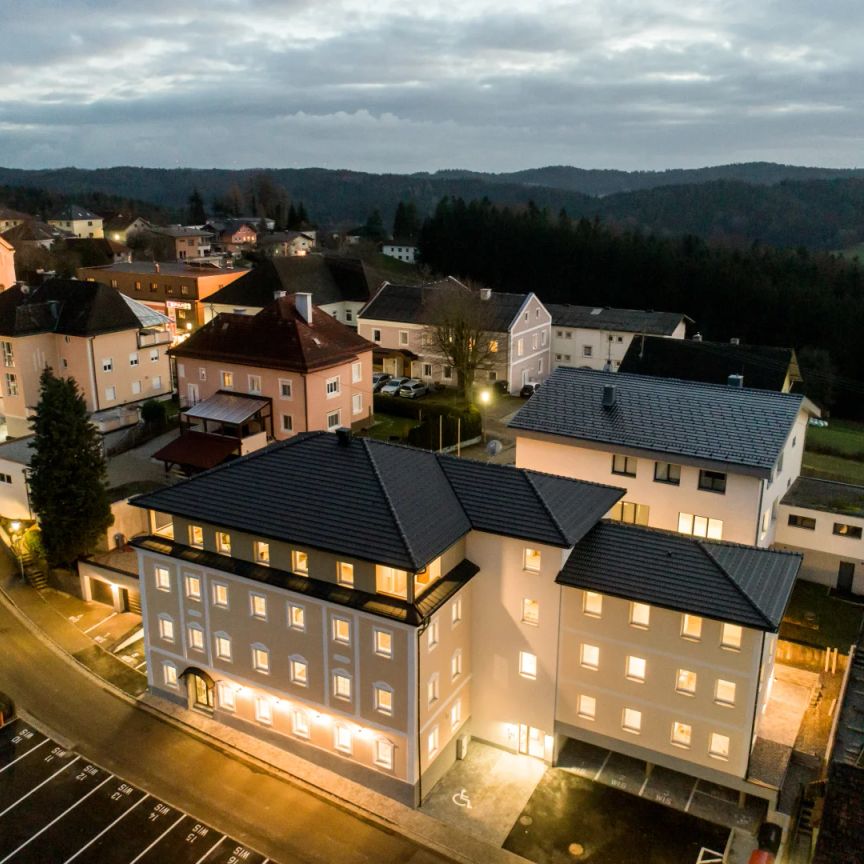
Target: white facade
x=400 y=252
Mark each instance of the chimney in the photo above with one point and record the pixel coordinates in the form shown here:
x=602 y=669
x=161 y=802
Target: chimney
x=303 y=302
x=155 y=266
x=735 y=381
x=734 y=341
x=343 y=436
x=609 y=396
x=697 y=337
x=485 y=293
x=279 y=293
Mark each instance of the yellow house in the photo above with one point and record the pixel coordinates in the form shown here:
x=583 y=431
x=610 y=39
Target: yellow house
x=80 y=221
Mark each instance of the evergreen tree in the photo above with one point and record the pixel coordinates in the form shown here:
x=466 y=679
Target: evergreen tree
x=406 y=223
x=374 y=227
x=196 y=213
x=68 y=485
x=302 y=217
x=292 y=222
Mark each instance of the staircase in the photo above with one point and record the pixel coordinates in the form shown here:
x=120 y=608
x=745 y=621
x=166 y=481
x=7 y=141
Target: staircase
x=33 y=572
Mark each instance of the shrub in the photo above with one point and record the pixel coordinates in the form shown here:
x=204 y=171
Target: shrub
x=153 y=412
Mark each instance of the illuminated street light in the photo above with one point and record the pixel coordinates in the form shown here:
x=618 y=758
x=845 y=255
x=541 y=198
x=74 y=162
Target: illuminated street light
x=485 y=398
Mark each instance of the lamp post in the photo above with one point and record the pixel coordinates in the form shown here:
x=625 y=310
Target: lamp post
x=485 y=398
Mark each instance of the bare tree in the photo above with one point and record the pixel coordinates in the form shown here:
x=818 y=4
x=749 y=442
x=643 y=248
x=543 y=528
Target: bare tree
x=457 y=332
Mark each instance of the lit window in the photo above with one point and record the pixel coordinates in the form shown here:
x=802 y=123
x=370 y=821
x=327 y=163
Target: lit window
x=530 y=611
x=300 y=724
x=592 y=604
x=527 y=664
x=724 y=692
x=719 y=746
x=300 y=562
x=531 y=560
x=636 y=668
x=691 y=627
x=345 y=573
x=640 y=615
x=624 y=465
x=432 y=742
x=493 y=346
x=299 y=671
x=432 y=634
x=193 y=587
x=700 y=526
x=456 y=664
x=432 y=689
x=681 y=734
x=841 y=529
x=383 y=699
x=169 y=674
x=258 y=606
x=389 y=580
x=632 y=720
x=586 y=707
x=456 y=611
x=166 y=629
x=195 y=634
x=342 y=685
x=228 y=380
x=685 y=682
x=223 y=542
x=223 y=646
x=383 y=753
x=429 y=575
x=712 y=481
x=630 y=512
x=264 y=710
x=196 y=536
x=730 y=636
x=261 y=551
x=220 y=595
x=589 y=656
x=666 y=472
x=163 y=578
x=341 y=630
x=261 y=659
x=383 y=643
x=227 y=696
x=296 y=617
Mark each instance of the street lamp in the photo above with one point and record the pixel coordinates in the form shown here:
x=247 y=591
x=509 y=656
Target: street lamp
x=485 y=399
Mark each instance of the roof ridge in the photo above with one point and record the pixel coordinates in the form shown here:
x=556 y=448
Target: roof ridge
x=707 y=551
x=549 y=513
x=366 y=442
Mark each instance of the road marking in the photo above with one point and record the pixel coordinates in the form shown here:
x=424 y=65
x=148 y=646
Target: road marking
x=19 y=758
x=644 y=784
x=217 y=843
x=690 y=799
x=608 y=756
x=123 y=815
x=180 y=818
x=46 y=780
x=101 y=621
x=56 y=819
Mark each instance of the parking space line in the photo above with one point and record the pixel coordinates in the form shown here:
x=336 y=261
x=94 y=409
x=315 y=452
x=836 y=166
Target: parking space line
x=44 y=828
x=101 y=621
x=46 y=780
x=690 y=799
x=217 y=843
x=123 y=815
x=600 y=771
x=644 y=783
x=170 y=828
x=27 y=753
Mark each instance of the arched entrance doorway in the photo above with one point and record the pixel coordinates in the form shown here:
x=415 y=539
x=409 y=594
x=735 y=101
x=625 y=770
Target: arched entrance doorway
x=200 y=689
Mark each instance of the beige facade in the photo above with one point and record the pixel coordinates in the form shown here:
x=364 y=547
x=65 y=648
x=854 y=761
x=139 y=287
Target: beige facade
x=7 y=265
x=345 y=311
x=80 y=227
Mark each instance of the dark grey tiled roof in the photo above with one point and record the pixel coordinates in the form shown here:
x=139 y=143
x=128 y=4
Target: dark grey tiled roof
x=74 y=211
x=725 y=581
x=382 y=502
x=687 y=419
x=827 y=495
x=626 y=320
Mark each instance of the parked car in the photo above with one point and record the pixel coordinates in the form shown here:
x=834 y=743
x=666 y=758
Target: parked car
x=413 y=388
x=391 y=388
x=502 y=387
x=379 y=379
x=529 y=389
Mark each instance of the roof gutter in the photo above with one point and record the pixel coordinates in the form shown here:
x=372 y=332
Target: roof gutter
x=93 y=374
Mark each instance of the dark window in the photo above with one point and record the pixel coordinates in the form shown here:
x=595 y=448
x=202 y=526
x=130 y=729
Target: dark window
x=712 y=481
x=666 y=472
x=844 y=530
x=797 y=521
x=625 y=465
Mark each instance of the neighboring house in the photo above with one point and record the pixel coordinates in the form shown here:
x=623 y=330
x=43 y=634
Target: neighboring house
x=7 y=264
x=35 y=234
x=98 y=249
x=78 y=220
x=287 y=243
x=594 y=336
x=15 y=456
x=398 y=320
x=234 y=238
x=12 y=218
x=824 y=520
x=341 y=287
x=290 y=368
x=763 y=367
x=120 y=228
x=174 y=289
x=187 y=243
x=375 y=627
x=401 y=250
x=710 y=460
x=112 y=346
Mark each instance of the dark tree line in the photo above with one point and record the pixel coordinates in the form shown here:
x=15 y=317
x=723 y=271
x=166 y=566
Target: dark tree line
x=811 y=301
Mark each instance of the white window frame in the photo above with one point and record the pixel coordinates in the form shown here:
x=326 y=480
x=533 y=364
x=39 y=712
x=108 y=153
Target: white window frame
x=196 y=536
x=254 y=382
x=340 y=630
x=226 y=696
x=261 y=658
x=357 y=403
x=300 y=562
x=221 y=595
x=162 y=578
x=223 y=648
x=432 y=635
x=342 y=685
x=258 y=605
x=345 y=573
x=192 y=586
x=356 y=372
x=381 y=636
x=334 y=420
x=261 y=552
x=333 y=386
x=383 y=698
x=691 y=627
x=297 y=617
x=384 y=751
x=195 y=636
x=166 y=628
x=169 y=674
x=286 y=384
x=298 y=670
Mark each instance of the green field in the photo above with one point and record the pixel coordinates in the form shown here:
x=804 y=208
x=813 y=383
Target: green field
x=853 y=252
x=387 y=426
x=835 y=452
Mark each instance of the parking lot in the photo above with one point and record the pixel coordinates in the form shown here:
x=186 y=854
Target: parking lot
x=57 y=806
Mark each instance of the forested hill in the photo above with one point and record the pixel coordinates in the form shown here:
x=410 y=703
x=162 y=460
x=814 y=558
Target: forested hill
x=736 y=205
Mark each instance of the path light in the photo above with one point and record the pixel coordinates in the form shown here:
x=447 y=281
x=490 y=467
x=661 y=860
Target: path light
x=485 y=398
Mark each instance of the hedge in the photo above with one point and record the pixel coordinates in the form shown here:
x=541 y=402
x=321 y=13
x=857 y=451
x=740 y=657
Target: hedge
x=426 y=435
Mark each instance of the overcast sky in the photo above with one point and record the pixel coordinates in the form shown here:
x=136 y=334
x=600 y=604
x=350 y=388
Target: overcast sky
x=393 y=86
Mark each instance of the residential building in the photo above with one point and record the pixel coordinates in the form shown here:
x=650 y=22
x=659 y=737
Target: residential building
x=78 y=220
x=235 y=237
x=375 y=627
x=175 y=289
x=824 y=521
x=598 y=337
x=120 y=228
x=401 y=250
x=339 y=286
x=399 y=319
x=764 y=367
x=98 y=249
x=187 y=243
x=7 y=264
x=710 y=460
x=32 y=233
x=288 y=243
x=250 y=379
x=10 y=218
x=114 y=347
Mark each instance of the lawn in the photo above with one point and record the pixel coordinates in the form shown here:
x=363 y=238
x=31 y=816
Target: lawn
x=814 y=617
x=833 y=468
x=389 y=427
x=835 y=452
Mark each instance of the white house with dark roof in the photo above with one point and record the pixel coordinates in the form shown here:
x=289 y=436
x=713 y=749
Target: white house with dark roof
x=710 y=460
x=597 y=336
x=78 y=220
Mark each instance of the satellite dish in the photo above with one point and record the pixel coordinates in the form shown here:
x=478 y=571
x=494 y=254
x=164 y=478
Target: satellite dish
x=494 y=447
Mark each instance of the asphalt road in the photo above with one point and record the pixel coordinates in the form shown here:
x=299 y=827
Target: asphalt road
x=281 y=820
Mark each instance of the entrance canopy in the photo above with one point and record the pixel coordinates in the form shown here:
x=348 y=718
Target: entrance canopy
x=227 y=408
